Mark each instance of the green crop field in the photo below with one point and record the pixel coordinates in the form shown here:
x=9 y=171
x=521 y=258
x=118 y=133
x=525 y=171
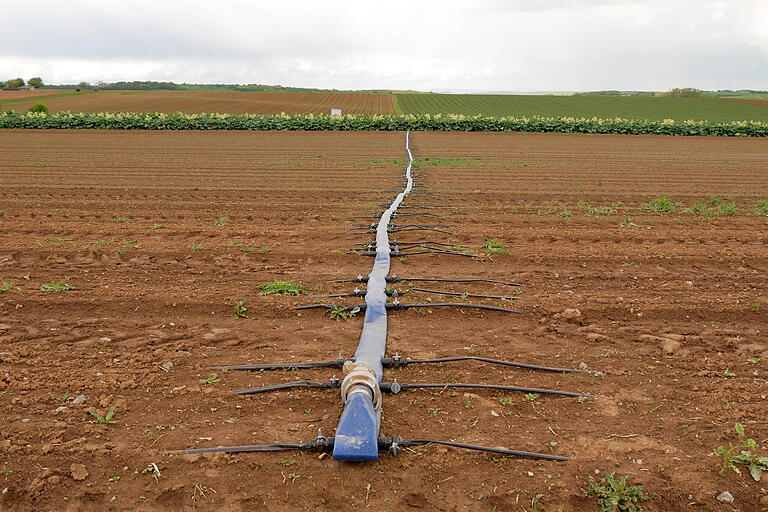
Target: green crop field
x=630 y=107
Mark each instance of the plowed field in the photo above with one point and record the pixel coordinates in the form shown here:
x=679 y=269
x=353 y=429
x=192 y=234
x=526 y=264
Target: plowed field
x=161 y=234
x=221 y=102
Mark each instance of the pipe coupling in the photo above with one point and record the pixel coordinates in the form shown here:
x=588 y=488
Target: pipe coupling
x=361 y=375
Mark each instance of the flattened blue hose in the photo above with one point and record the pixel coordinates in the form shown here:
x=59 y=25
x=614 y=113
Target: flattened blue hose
x=358 y=430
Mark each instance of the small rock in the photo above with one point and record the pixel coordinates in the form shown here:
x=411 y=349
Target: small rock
x=593 y=336
x=60 y=408
x=25 y=420
x=639 y=461
x=530 y=473
x=572 y=316
x=538 y=497
x=583 y=365
x=494 y=413
x=725 y=497
x=597 y=471
x=80 y=399
x=78 y=472
x=167 y=366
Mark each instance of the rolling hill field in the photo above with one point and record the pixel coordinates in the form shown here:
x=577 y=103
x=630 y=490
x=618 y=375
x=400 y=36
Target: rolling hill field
x=631 y=107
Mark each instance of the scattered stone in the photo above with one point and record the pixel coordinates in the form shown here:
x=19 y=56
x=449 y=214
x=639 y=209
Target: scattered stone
x=80 y=399
x=60 y=408
x=572 y=316
x=494 y=413
x=639 y=461
x=725 y=497
x=538 y=497
x=25 y=420
x=583 y=365
x=597 y=471
x=530 y=473
x=166 y=366
x=78 y=472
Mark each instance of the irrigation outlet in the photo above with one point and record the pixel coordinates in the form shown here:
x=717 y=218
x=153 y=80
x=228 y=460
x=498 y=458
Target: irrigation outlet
x=358 y=435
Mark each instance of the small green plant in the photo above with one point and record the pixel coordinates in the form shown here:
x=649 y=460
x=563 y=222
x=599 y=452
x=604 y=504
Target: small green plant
x=761 y=208
x=114 y=479
x=39 y=108
x=340 y=313
x=58 y=399
x=106 y=419
x=661 y=204
x=616 y=496
x=281 y=287
x=627 y=223
x=240 y=310
x=727 y=209
x=530 y=396
x=7 y=286
x=492 y=243
x=197 y=245
x=221 y=221
x=158 y=226
x=493 y=246
x=565 y=213
x=57 y=287
x=211 y=379
x=756 y=463
x=119 y=218
x=153 y=471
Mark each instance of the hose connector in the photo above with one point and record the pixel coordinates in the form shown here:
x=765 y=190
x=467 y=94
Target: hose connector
x=360 y=377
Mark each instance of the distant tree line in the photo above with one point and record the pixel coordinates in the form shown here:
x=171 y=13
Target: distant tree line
x=172 y=86
x=15 y=83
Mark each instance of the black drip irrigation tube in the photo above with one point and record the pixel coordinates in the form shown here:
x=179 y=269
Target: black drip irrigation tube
x=357 y=435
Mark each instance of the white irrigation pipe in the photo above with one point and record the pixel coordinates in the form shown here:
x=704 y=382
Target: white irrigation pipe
x=357 y=433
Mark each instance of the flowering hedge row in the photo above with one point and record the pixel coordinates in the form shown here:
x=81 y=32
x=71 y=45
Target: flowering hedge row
x=426 y=122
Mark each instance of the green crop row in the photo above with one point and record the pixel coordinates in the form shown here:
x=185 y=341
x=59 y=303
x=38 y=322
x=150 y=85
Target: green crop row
x=606 y=107
x=138 y=121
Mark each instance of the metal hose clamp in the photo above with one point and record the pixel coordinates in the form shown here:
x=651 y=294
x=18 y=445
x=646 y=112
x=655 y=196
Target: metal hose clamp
x=361 y=373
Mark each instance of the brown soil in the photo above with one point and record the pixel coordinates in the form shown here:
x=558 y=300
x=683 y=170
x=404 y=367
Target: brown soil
x=670 y=307
x=222 y=102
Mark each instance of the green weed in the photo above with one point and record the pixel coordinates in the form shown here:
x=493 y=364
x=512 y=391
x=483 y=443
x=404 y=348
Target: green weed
x=616 y=496
x=565 y=213
x=221 y=221
x=158 y=226
x=118 y=218
x=58 y=400
x=761 y=208
x=106 y=419
x=727 y=209
x=340 y=313
x=493 y=246
x=197 y=245
x=240 y=310
x=661 y=204
x=57 y=287
x=756 y=464
x=7 y=286
x=211 y=379
x=281 y=287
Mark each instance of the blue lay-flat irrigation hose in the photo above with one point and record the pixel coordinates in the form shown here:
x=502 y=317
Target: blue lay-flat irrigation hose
x=358 y=430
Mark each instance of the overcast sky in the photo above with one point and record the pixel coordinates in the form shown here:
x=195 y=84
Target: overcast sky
x=490 y=45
